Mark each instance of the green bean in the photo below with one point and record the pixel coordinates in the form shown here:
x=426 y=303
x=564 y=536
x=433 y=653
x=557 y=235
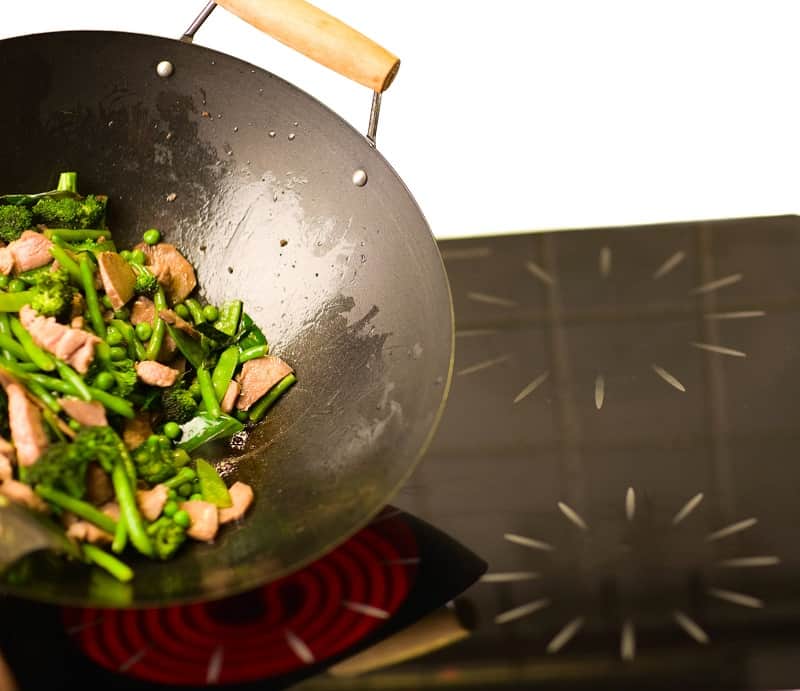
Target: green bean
x=80 y=508
x=35 y=354
x=230 y=314
x=260 y=409
x=68 y=182
x=108 y=562
x=5 y=330
x=50 y=383
x=135 y=348
x=76 y=235
x=92 y=301
x=27 y=367
x=115 y=404
x=61 y=256
x=8 y=344
x=195 y=310
x=154 y=344
x=70 y=376
x=44 y=395
x=120 y=537
x=130 y=510
x=207 y=392
x=14 y=302
x=253 y=353
x=223 y=371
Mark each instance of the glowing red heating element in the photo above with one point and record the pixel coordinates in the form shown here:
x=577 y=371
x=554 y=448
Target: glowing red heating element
x=305 y=618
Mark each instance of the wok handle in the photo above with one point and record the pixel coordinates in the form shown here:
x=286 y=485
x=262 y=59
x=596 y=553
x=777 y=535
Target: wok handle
x=321 y=37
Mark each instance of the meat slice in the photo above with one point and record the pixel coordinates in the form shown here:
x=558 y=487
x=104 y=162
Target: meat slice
x=118 y=278
x=156 y=374
x=179 y=323
x=89 y=413
x=229 y=399
x=25 y=421
x=259 y=376
x=204 y=519
x=6 y=261
x=21 y=493
x=143 y=310
x=6 y=469
x=74 y=346
x=89 y=532
x=99 y=489
x=136 y=430
x=171 y=269
x=242 y=497
x=151 y=501
x=30 y=251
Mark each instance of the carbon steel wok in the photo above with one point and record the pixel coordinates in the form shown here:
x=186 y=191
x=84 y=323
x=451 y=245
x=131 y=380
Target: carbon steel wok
x=271 y=204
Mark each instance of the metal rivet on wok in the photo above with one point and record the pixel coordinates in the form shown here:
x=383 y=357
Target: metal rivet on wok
x=165 y=69
x=360 y=177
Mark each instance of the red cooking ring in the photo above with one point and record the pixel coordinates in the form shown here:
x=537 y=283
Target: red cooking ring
x=193 y=644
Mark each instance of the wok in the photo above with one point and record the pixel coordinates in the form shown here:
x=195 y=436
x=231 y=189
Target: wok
x=277 y=201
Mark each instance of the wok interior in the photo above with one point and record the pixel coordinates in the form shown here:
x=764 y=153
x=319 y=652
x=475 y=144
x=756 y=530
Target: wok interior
x=345 y=281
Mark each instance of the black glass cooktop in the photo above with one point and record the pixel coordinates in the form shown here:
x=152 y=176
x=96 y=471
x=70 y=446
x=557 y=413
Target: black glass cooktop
x=622 y=446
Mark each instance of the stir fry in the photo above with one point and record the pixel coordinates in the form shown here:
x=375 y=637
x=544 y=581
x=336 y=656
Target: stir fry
x=113 y=374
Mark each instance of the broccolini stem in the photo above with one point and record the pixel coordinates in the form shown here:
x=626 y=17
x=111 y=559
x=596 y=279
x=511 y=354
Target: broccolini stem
x=253 y=353
x=61 y=256
x=34 y=353
x=207 y=392
x=120 y=537
x=115 y=404
x=67 y=182
x=136 y=350
x=44 y=395
x=11 y=347
x=92 y=301
x=74 y=235
x=70 y=376
x=154 y=344
x=195 y=310
x=78 y=507
x=130 y=510
x=108 y=562
x=14 y=302
x=183 y=475
x=223 y=371
x=50 y=383
x=5 y=330
x=260 y=409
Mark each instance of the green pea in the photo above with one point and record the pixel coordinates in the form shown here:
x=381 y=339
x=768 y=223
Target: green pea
x=172 y=494
x=118 y=353
x=137 y=257
x=164 y=442
x=170 y=508
x=151 y=237
x=15 y=285
x=211 y=313
x=4 y=281
x=106 y=302
x=195 y=497
x=180 y=457
x=172 y=430
x=126 y=255
x=182 y=311
x=194 y=389
x=104 y=381
x=144 y=331
x=74 y=424
x=182 y=519
x=123 y=314
x=113 y=336
x=185 y=489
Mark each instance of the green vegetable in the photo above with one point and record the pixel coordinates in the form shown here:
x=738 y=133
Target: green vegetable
x=207 y=392
x=67 y=182
x=70 y=212
x=182 y=311
x=129 y=510
x=53 y=296
x=120 y=537
x=170 y=507
x=4 y=281
x=104 y=381
x=157 y=339
x=178 y=404
x=72 y=378
x=251 y=334
x=212 y=486
x=211 y=313
x=92 y=302
x=223 y=371
x=135 y=348
x=13 y=220
x=119 y=570
x=15 y=285
x=260 y=409
x=151 y=237
x=184 y=475
x=44 y=396
x=182 y=518
x=113 y=336
x=73 y=235
x=172 y=430
x=118 y=353
x=8 y=344
x=230 y=315
x=204 y=427
x=80 y=508
x=137 y=257
x=167 y=536
x=144 y=331
x=65 y=260
x=253 y=353
x=114 y=403
x=195 y=310
x=190 y=348
x=154 y=463
x=34 y=353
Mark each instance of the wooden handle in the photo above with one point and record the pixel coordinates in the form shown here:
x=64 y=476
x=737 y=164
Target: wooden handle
x=321 y=37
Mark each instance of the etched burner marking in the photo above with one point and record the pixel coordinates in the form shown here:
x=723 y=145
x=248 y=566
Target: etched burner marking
x=671 y=379
x=744 y=314
x=299 y=647
x=750 y=562
x=599 y=391
x=365 y=609
x=565 y=635
x=530 y=388
x=132 y=660
x=469 y=333
x=604 y=261
x=214 y=668
x=720 y=350
x=670 y=264
x=538 y=272
x=630 y=504
x=487 y=299
x=509 y=577
x=572 y=515
x=627 y=641
x=691 y=627
x=483 y=365
x=687 y=508
x=732 y=529
x=466 y=253
x=528 y=542
x=521 y=611
x=736 y=598
x=716 y=284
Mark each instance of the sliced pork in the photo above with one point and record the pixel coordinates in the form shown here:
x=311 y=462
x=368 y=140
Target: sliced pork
x=30 y=251
x=6 y=261
x=242 y=497
x=156 y=374
x=25 y=421
x=179 y=323
x=151 y=501
x=21 y=493
x=204 y=519
x=74 y=346
x=171 y=269
x=259 y=376
x=136 y=430
x=229 y=399
x=143 y=310
x=89 y=413
x=118 y=278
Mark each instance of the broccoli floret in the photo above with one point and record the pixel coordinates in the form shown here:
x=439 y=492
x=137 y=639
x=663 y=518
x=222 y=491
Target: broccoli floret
x=178 y=404
x=157 y=461
x=146 y=282
x=71 y=212
x=124 y=372
x=13 y=220
x=53 y=295
x=166 y=536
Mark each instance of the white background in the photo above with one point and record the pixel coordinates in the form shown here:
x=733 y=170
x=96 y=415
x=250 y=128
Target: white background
x=514 y=115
